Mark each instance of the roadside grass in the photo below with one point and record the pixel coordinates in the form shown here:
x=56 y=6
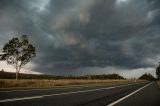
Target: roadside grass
x=10 y=83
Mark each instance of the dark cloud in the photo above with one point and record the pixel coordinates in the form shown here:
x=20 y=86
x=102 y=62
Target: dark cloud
x=76 y=34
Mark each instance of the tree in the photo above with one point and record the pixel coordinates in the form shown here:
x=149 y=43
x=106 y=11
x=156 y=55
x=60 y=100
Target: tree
x=18 y=52
x=158 y=72
x=147 y=76
x=2 y=71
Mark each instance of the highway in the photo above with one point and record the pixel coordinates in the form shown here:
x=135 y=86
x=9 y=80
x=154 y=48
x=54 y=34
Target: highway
x=137 y=94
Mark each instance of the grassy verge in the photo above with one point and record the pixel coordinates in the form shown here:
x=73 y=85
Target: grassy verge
x=8 y=83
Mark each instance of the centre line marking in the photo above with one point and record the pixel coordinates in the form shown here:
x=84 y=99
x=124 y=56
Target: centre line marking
x=65 y=93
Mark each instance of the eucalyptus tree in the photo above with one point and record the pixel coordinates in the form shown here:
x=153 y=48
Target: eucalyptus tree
x=18 y=52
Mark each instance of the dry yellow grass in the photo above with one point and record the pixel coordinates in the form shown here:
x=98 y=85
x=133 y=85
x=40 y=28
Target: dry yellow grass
x=7 y=83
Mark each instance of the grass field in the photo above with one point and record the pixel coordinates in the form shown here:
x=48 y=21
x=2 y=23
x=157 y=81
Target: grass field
x=8 y=83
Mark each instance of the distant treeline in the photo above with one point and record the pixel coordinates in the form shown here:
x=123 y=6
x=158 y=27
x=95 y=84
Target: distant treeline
x=9 y=75
x=147 y=76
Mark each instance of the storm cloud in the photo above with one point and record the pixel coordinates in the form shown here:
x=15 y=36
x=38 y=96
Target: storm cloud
x=77 y=37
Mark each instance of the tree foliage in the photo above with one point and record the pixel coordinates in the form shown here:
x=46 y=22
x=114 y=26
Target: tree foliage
x=147 y=76
x=18 y=52
x=9 y=75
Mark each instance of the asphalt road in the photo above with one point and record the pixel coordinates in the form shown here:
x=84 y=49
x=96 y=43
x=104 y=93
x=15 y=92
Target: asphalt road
x=142 y=94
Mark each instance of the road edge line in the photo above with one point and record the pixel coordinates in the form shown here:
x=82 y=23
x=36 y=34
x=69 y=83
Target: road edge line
x=121 y=99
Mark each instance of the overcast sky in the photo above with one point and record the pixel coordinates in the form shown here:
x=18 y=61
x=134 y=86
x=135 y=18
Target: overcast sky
x=79 y=37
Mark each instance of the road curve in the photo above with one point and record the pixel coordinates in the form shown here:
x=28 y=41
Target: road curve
x=127 y=95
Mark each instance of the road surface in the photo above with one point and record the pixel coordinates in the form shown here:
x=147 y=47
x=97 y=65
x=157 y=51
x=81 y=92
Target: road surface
x=138 y=94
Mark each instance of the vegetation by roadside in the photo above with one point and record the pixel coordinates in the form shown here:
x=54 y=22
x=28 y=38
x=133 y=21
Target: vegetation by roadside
x=18 y=52
x=158 y=84
x=9 y=75
x=147 y=76
x=8 y=83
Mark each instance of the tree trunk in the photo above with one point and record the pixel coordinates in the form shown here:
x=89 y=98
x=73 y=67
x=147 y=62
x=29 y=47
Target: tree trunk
x=16 y=75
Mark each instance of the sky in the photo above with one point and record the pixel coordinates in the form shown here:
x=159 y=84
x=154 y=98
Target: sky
x=80 y=37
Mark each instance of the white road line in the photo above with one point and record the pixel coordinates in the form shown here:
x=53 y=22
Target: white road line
x=36 y=97
x=41 y=89
x=121 y=99
x=18 y=99
x=86 y=90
